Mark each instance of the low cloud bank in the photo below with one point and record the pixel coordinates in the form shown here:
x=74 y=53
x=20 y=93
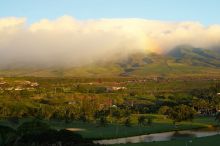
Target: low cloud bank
x=68 y=42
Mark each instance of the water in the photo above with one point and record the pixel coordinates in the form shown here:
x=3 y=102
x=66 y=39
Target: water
x=165 y=136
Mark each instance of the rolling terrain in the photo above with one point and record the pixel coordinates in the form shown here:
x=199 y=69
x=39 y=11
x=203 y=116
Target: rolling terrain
x=182 y=61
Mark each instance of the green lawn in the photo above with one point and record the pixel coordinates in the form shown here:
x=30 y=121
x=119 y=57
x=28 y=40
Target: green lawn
x=205 y=141
x=93 y=131
x=115 y=131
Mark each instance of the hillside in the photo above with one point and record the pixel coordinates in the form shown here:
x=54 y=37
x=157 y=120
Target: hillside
x=181 y=61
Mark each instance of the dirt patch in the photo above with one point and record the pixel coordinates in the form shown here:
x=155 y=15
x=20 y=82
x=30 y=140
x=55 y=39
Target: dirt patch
x=75 y=129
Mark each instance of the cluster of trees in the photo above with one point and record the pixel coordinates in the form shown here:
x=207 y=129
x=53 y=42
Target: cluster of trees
x=90 y=111
x=92 y=104
x=84 y=112
x=144 y=120
x=38 y=133
x=61 y=112
x=206 y=101
x=181 y=113
x=55 y=105
x=113 y=114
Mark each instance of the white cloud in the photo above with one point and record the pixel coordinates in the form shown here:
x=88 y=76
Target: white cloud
x=69 y=41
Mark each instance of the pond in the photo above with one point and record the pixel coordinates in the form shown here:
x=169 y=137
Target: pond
x=164 y=136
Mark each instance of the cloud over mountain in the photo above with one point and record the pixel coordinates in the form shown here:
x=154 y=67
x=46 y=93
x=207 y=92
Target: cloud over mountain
x=67 y=41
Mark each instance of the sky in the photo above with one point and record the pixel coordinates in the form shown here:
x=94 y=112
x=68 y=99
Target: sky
x=204 y=11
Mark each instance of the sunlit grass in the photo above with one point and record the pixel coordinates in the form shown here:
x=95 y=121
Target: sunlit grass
x=94 y=131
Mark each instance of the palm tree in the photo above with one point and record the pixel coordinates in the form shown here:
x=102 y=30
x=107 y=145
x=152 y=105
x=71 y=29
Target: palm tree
x=83 y=116
x=149 y=121
x=103 y=120
x=127 y=122
x=117 y=115
x=217 y=117
x=141 y=120
x=101 y=116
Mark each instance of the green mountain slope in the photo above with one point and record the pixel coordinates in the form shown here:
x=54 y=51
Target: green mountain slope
x=181 y=61
x=196 y=56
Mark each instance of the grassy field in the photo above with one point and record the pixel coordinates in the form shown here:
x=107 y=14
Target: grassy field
x=93 y=131
x=114 y=131
x=206 y=141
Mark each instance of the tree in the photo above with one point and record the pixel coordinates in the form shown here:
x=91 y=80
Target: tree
x=117 y=115
x=163 y=110
x=141 y=120
x=83 y=117
x=181 y=113
x=217 y=117
x=126 y=113
x=37 y=133
x=149 y=121
x=103 y=121
x=101 y=116
x=127 y=122
x=34 y=126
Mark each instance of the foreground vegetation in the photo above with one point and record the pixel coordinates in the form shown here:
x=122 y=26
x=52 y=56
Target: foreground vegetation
x=106 y=108
x=36 y=131
x=95 y=131
x=97 y=99
x=39 y=133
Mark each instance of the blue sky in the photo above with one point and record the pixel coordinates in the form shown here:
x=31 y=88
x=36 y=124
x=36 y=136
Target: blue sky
x=204 y=11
